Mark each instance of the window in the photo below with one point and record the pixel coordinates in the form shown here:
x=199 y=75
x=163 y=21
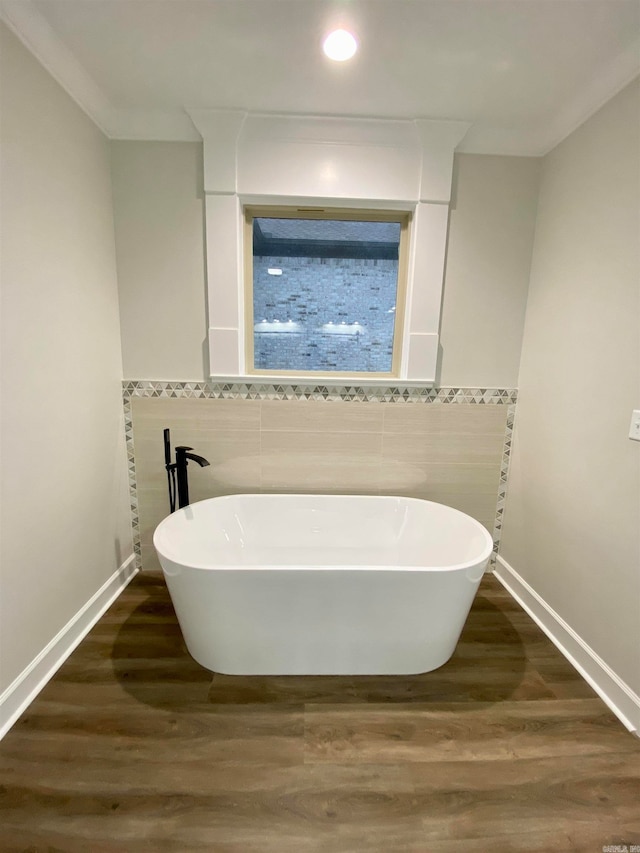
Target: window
x=302 y=163
x=325 y=291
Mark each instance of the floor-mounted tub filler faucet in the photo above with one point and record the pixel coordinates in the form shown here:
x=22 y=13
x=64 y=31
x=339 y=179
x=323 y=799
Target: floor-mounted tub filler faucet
x=177 y=471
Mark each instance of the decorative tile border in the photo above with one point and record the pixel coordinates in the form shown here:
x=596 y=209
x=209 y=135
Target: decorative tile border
x=504 y=477
x=133 y=485
x=397 y=393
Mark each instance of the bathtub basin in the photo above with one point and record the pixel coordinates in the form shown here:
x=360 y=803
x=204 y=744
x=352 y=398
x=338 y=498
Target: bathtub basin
x=321 y=584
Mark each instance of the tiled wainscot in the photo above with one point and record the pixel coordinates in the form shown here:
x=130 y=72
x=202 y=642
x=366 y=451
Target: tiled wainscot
x=447 y=445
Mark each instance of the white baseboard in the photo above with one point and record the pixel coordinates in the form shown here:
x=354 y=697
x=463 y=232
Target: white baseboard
x=620 y=698
x=24 y=689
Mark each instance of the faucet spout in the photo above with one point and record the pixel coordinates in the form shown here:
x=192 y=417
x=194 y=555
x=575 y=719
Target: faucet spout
x=182 y=460
x=202 y=462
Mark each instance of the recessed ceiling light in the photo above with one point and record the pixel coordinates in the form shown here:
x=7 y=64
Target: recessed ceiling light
x=340 y=45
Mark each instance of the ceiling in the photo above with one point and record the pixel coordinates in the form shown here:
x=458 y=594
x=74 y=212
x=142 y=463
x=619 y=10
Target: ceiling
x=524 y=73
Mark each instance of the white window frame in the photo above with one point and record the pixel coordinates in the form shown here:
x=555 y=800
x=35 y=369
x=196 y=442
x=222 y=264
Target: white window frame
x=315 y=161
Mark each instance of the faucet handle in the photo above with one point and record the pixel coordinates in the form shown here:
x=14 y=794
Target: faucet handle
x=167 y=447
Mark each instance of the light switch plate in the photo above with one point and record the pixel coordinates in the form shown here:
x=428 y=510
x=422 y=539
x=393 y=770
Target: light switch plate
x=634 y=429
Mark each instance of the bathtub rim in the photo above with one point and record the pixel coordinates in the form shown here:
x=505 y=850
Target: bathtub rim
x=483 y=557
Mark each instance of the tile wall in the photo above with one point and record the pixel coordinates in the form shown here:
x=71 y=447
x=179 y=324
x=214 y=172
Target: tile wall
x=448 y=445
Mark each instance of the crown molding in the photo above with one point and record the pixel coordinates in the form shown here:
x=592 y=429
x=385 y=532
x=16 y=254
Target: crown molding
x=503 y=140
x=153 y=126
x=537 y=139
x=39 y=38
x=604 y=86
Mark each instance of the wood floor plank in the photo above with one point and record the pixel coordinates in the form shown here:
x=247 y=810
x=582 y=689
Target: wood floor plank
x=451 y=683
x=570 y=689
x=254 y=736
x=602 y=791
x=200 y=777
x=457 y=732
x=177 y=696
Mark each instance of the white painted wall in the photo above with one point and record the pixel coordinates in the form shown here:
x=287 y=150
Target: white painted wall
x=64 y=505
x=159 y=217
x=572 y=524
x=159 y=226
x=491 y=229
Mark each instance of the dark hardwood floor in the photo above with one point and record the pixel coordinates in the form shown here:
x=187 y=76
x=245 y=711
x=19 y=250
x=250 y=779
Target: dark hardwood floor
x=134 y=747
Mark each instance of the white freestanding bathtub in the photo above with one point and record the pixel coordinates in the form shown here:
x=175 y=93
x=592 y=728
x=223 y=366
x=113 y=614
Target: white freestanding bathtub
x=321 y=584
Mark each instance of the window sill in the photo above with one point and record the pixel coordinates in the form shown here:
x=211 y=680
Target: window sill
x=322 y=379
